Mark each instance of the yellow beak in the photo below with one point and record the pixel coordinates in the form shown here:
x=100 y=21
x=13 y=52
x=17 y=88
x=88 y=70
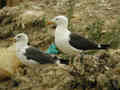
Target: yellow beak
x=50 y=22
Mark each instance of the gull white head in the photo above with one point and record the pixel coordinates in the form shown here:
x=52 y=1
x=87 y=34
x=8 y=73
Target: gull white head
x=21 y=38
x=60 y=21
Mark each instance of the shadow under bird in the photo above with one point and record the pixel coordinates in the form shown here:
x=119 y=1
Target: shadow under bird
x=72 y=43
x=31 y=54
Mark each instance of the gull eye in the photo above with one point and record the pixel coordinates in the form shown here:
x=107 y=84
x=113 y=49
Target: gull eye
x=57 y=19
x=19 y=36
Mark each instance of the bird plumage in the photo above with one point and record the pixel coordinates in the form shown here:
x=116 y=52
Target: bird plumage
x=39 y=56
x=71 y=43
x=84 y=44
x=31 y=54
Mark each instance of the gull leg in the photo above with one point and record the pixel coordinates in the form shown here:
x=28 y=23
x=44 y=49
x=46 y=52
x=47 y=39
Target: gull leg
x=80 y=57
x=71 y=61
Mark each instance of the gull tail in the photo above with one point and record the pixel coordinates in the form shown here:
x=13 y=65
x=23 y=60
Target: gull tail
x=103 y=46
x=62 y=61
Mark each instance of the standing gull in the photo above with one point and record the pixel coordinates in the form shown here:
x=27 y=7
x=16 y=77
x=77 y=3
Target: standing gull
x=71 y=43
x=31 y=54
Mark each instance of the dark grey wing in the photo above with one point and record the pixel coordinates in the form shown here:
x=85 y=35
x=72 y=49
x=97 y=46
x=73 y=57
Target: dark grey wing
x=39 y=56
x=81 y=43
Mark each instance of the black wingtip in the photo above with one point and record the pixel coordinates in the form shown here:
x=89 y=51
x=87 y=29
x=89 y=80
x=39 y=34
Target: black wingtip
x=104 y=46
x=62 y=61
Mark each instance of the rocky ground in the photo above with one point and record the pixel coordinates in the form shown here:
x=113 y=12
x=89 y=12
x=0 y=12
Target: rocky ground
x=97 y=20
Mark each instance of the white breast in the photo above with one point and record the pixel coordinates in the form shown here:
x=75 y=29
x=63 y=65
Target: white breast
x=62 y=42
x=20 y=54
x=22 y=57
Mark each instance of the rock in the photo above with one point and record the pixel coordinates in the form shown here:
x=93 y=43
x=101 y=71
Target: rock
x=28 y=17
x=8 y=62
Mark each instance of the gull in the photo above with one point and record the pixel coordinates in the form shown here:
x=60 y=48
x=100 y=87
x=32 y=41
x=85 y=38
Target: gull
x=71 y=43
x=31 y=54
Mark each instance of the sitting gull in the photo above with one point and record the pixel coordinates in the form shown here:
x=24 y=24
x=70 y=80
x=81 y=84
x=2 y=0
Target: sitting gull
x=71 y=43
x=31 y=54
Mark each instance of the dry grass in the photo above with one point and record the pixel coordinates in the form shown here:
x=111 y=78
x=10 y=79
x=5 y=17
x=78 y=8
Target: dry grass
x=96 y=20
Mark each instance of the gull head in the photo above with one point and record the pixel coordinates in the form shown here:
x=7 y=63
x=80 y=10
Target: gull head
x=60 y=21
x=21 y=38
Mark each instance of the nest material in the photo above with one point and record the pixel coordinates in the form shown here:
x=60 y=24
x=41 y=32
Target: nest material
x=100 y=71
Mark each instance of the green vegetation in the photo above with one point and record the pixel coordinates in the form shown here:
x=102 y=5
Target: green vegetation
x=95 y=30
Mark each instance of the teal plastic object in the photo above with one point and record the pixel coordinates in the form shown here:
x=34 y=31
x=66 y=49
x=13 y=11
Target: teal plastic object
x=52 y=49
